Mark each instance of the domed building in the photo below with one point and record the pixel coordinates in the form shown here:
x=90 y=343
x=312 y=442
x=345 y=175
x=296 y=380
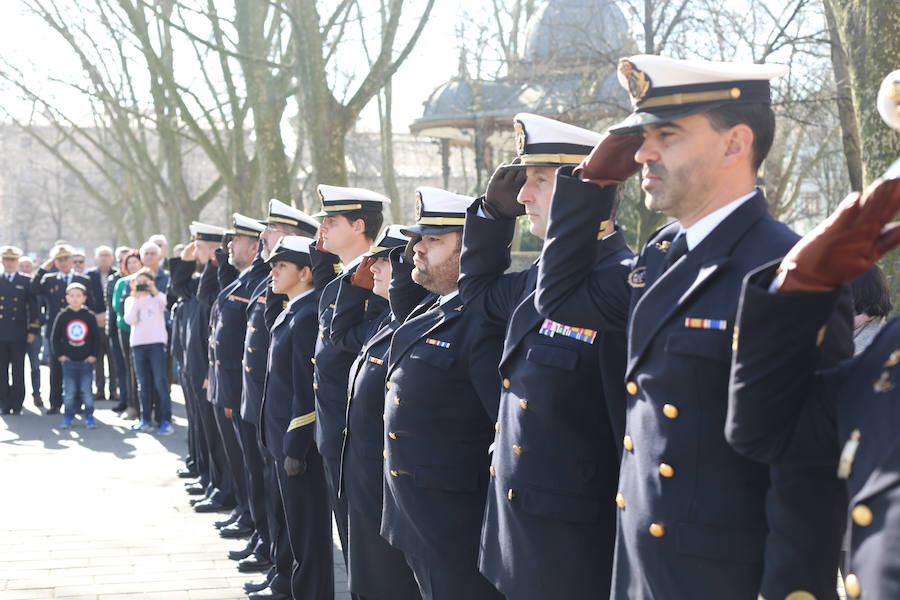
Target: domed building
x=566 y=71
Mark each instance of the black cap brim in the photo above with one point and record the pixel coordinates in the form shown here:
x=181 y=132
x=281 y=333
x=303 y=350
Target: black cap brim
x=638 y=120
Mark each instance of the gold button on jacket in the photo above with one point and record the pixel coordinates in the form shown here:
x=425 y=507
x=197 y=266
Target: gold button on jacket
x=666 y=470
x=628 y=443
x=620 y=500
x=506 y=383
x=631 y=387
x=657 y=530
x=862 y=515
x=670 y=410
x=851 y=585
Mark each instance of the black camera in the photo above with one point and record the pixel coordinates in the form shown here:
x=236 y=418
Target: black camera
x=142 y=287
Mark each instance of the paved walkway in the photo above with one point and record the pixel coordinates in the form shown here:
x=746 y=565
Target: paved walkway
x=100 y=514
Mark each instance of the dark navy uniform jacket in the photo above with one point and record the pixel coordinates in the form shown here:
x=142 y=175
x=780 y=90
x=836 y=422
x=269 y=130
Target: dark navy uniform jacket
x=212 y=281
x=332 y=361
x=441 y=404
x=695 y=516
x=555 y=462
x=289 y=406
x=264 y=307
x=52 y=286
x=227 y=341
x=782 y=409
x=19 y=311
x=262 y=310
x=192 y=319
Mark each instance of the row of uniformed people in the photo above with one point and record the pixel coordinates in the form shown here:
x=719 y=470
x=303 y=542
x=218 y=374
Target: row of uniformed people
x=503 y=410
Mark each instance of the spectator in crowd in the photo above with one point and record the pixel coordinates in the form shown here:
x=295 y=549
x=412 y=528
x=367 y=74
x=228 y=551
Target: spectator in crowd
x=871 y=306
x=145 y=312
x=99 y=275
x=120 y=253
x=163 y=244
x=79 y=261
x=33 y=349
x=74 y=342
x=130 y=264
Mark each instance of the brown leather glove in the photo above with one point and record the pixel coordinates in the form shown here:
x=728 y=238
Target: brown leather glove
x=363 y=277
x=611 y=161
x=501 y=198
x=847 y=243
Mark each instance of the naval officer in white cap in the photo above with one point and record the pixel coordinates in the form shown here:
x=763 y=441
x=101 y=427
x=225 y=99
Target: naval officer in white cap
x=442 y=395
x=351 y=220
x=557 y=408
x=695 y=520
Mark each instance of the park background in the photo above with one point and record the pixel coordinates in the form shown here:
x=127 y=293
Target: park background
x=123 y=118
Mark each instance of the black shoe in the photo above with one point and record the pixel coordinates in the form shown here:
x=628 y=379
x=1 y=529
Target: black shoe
x=195 y=490
x=225 y=522
x=120 y=407
x=53 y=410
x=251 y=587
x=236 y=530
x=269 y=594
x=253 y=563
x=196 y=501
x=185 y=473
x=208 y=506
x=241 y=554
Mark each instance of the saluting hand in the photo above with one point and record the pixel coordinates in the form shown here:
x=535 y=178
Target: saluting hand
x=847 y=243
x=501 y=198
x=611 y=161
x=363 y=277
x=294 y=466
x=190 y=252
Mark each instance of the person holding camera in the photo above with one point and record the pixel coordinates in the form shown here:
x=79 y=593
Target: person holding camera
x=145 y=312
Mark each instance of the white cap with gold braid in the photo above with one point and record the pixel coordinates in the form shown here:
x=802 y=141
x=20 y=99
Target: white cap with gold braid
x=438 y=211
x=543 y=142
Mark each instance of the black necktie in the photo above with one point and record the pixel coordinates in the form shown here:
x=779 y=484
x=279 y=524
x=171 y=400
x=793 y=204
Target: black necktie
x=678 y=249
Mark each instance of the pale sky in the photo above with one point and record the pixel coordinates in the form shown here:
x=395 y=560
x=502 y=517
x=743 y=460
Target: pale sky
x=27 y=43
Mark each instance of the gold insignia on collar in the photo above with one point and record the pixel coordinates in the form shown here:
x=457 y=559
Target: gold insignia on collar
x=521 y=137
x=459 y=308
x=820 y=337
x=284 y=304
x=663 y=246
x=883 y=383
x=848 y=454
x=637 y=80
x=637 y=278
x=734 y=339
x=420 y=207
x=893 y=359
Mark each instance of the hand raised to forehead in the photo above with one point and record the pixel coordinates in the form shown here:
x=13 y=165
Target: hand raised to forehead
x=501 y=198
x=363 y=277
x=847 y=243
x=611 y=162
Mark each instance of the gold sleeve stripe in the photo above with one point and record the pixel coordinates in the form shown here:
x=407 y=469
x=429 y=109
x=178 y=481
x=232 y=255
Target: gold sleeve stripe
x=302 y=421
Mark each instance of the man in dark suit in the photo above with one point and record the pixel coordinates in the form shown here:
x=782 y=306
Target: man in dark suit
x=696 y=520
x=351 y=220
x=99 y=275
x=52 y=287
x=19 y=325
x=560 y=418
x=288 y=413
x=443 y=392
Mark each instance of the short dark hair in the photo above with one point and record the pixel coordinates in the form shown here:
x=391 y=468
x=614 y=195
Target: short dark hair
x=371 y=220
x=871 y=295
x=758 y=117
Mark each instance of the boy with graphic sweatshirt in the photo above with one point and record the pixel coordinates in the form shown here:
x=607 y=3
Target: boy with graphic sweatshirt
x=75 y=343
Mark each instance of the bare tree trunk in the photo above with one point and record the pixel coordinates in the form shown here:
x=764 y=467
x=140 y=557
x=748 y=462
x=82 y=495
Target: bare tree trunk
x=846 y=111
